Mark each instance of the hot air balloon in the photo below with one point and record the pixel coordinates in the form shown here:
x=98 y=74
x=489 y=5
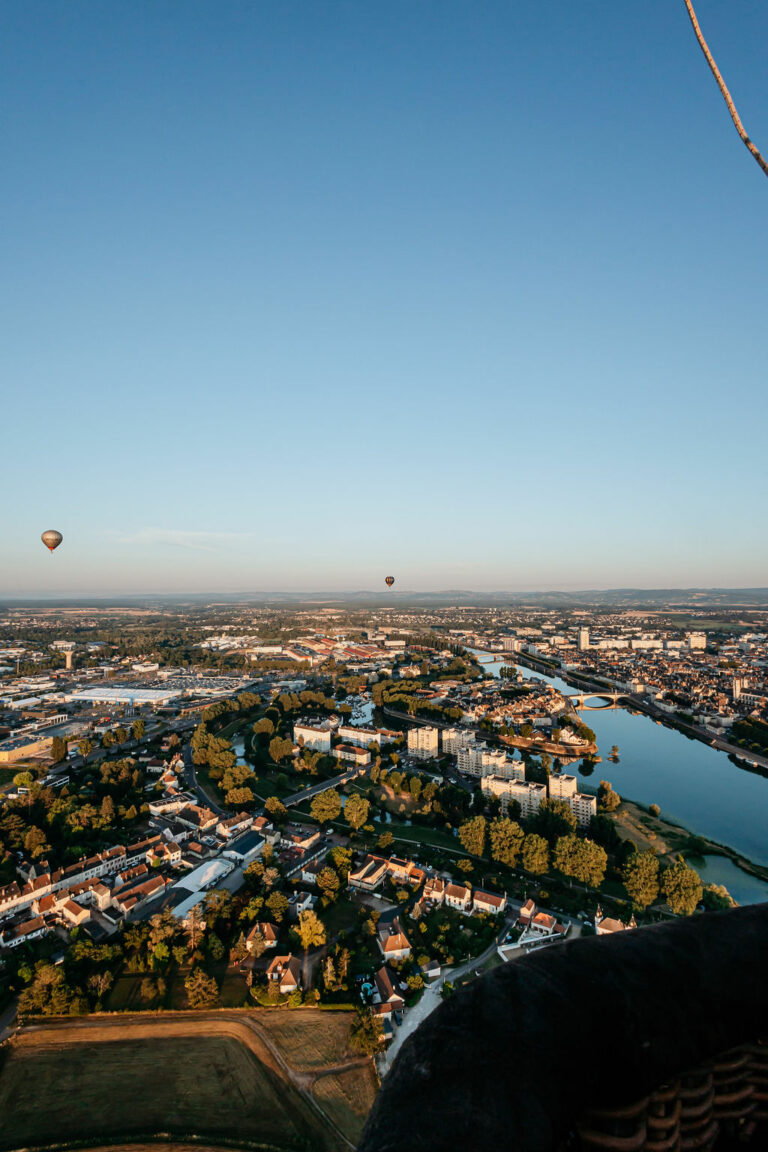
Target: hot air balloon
x=389 y=581
x=51 y=539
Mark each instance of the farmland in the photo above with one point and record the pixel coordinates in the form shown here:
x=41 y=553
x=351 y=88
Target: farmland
x=247 y=1078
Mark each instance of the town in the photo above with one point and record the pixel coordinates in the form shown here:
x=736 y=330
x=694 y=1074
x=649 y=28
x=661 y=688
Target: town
x=341 y=807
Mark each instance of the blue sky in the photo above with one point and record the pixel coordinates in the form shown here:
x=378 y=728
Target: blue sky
x=298 y=294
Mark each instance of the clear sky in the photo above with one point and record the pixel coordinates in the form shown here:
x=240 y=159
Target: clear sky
x=297 y=294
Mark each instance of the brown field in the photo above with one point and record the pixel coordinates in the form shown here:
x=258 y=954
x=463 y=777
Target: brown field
x=247 y=1077
x=309 y=1039
x=347 y=1097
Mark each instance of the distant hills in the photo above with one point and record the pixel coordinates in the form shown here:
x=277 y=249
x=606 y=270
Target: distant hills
x=366 y=598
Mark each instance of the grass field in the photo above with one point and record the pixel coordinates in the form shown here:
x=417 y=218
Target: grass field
x=211 y=1075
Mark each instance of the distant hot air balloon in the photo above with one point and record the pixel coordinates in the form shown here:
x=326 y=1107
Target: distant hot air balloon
x=51 y=539
x=389 y=581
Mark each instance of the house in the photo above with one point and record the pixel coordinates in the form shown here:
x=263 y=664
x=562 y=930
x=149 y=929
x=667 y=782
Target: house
x=268 y=932
x=543 y=923
x=74 y=913
x=23 y=933
x=488 y=902
x=266 y=829
x=385 y=996
x=458 y=896
x=245 y=848
x=404 y=872
x=235 y=824
x=434 y=890
x=304 y=836
x=285 y=971
x=393 y=941
x=165 y=853
x=310 y=870
x=299 y=902
x=370 y=875
x=527 y=912
x=605 y=926
x=197 y=817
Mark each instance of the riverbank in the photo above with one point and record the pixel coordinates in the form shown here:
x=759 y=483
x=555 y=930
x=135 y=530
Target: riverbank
x=704 y=796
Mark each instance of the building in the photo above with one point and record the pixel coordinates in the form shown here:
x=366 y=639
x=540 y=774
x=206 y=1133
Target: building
x=369 y=876
x=285 y=972
x=563 y=787
x=582 y=639
x=489 y=903
x=422 y=742
x=480 y=760
x=362 y=737
x=314 y=736
x=528 y=795
x=352 y=754
x=268 y=933
x=696 y=640
x=458 y=896
x=393 y=941
x=453 y=739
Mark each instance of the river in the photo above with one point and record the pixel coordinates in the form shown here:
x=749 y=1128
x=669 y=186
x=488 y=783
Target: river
x=694 y=785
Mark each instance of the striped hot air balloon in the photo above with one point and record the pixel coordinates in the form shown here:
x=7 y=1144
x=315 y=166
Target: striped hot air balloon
x=389 y=581
x=51 y=539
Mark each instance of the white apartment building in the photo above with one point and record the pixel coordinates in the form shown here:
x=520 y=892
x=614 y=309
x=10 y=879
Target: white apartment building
x=528 y=795
x=584 y=807
x=362 y=737
x=314 y=736
x=510 y=644
x=583 y=639
x=696 y=640
x=455 y=738
x=422 y=742
x=564 y=787
x=481 y=761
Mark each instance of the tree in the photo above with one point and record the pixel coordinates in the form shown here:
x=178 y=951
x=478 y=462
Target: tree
x=682 y=887
x=506 y=838
x=641 y=878
x=341 y=858
x=99 y=983
x=85 y=747
x=202 y=991
x=107 y=812
x=138 y=728
x=535 y=856
x=257 y=945
x=717 y=898
x=356 y=810
x=386 y=840
x=58 y=749
x=277 y=904
x=607 y=799
x=654 y=810
x=326 y=806
x=366 y=1034
x=23 y=780
x=239 y=797
x=194 y=926
x=275 y=807
x=35 y=843
x=328 y=883
x=554 y=818
x=582 y=860
x=279 y=748
x=310 y=930
x=263 y=727
x=472 y=835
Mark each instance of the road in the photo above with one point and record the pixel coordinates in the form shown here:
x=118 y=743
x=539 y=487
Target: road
x=203 y=798
x=432 y=998
x=7 y=1021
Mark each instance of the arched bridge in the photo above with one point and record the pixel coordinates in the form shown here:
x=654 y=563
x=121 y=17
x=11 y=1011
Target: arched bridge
x=610 y=700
